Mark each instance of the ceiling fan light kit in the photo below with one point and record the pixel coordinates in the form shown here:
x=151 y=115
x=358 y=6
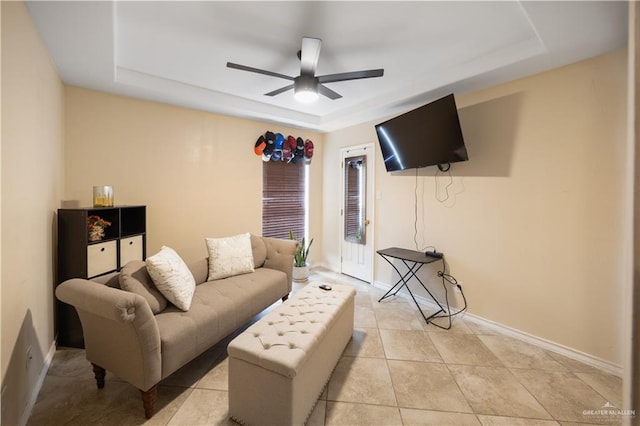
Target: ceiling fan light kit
x=307 y=87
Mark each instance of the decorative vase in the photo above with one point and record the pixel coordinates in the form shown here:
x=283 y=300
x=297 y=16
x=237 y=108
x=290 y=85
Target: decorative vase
x=102 y=196
x=300 y=273
x=96 y=233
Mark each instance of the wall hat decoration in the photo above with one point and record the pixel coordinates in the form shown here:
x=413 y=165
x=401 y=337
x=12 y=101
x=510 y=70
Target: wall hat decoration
x=275 y=147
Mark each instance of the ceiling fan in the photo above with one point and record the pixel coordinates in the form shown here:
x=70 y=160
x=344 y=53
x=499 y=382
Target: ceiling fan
x=307 y=85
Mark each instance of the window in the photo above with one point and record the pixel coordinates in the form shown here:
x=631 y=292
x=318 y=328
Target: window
x=355 y=174
x=284 y=188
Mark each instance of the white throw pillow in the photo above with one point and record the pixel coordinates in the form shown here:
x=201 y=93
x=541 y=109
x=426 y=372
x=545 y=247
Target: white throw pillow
x=172 y=277
x=229 y=256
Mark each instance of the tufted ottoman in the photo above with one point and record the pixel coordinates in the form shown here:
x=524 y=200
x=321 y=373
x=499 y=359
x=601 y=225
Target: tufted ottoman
x=279 y=366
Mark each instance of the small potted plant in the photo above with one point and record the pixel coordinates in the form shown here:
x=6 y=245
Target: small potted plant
x=300 y=265
x=96 y=225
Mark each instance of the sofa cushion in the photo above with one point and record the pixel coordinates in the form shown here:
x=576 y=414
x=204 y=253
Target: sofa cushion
x=259 y=250
x=200 y=270
x=219 y=307
x=279 y=254
x=229 y=256
x=135 y=278
x=172 y=277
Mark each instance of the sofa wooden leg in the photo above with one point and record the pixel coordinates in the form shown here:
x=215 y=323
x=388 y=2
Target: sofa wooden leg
x=284 y=298
x=99 y=374
x=149 y=401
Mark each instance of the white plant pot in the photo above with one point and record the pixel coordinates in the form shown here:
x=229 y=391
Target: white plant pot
x=300 y=273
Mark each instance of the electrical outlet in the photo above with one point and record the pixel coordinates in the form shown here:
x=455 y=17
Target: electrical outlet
x=29 y=357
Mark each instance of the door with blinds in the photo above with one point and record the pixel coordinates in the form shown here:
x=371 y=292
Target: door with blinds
x=356 y=257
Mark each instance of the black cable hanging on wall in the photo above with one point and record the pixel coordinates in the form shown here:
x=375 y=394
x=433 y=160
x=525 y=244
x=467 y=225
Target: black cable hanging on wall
x=446 y=277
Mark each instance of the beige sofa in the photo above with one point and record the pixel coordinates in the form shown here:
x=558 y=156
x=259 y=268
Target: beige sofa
x=123 y=336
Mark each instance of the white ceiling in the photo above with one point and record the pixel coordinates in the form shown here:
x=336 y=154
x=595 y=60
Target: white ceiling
x=176 y=52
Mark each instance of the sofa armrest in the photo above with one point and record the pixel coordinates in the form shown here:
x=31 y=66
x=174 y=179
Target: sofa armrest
x=120 y=332
x=280 y=254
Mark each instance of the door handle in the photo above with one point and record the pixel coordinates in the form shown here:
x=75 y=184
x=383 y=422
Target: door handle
x=367 y=222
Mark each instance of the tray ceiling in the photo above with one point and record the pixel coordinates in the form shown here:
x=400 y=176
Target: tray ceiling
x=176 y=52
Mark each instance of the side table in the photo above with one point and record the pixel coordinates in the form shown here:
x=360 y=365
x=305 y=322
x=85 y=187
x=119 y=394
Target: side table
x=414 y=261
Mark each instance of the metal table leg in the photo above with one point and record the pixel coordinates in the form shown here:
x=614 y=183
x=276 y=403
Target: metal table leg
x=412 y=272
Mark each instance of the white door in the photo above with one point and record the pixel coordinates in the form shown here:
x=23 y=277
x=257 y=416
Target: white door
x=356 y=230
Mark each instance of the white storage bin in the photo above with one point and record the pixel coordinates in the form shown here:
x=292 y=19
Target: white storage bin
x=101 y=258
x=131 y=249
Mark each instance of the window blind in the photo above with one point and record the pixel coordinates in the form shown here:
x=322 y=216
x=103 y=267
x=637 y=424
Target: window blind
x=283 y=195
x=354 y=169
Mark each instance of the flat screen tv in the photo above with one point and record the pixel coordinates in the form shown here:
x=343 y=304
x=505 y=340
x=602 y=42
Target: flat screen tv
x=426 y=136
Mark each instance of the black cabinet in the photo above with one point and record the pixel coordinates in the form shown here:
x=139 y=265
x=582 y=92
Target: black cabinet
x=79 y=256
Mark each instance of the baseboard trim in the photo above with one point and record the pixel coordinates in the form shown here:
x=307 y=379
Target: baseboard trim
x=33 y=398
x=593 y=361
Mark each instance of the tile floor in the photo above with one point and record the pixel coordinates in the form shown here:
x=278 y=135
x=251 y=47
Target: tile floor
x=396 y=371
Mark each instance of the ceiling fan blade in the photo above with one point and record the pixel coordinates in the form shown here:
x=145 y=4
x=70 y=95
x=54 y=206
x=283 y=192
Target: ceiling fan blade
x=324 y=90
x=354 y=75
x=258 y=71
x=280 y=90
x=309 y=55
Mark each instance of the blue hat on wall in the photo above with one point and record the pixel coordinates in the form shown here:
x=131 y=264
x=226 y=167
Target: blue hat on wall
x=279 y=141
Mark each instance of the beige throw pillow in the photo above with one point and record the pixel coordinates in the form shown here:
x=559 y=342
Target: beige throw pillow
x=172 y=277
x=229 y=256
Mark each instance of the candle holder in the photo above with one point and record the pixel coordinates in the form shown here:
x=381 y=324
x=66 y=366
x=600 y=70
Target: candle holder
x=102 y=196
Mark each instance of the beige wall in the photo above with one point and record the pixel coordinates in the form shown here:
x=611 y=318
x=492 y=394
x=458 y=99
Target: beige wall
x=195 y=171
x=32 y=186
x=1 y=357
x=534 y=223
x=631 y=390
